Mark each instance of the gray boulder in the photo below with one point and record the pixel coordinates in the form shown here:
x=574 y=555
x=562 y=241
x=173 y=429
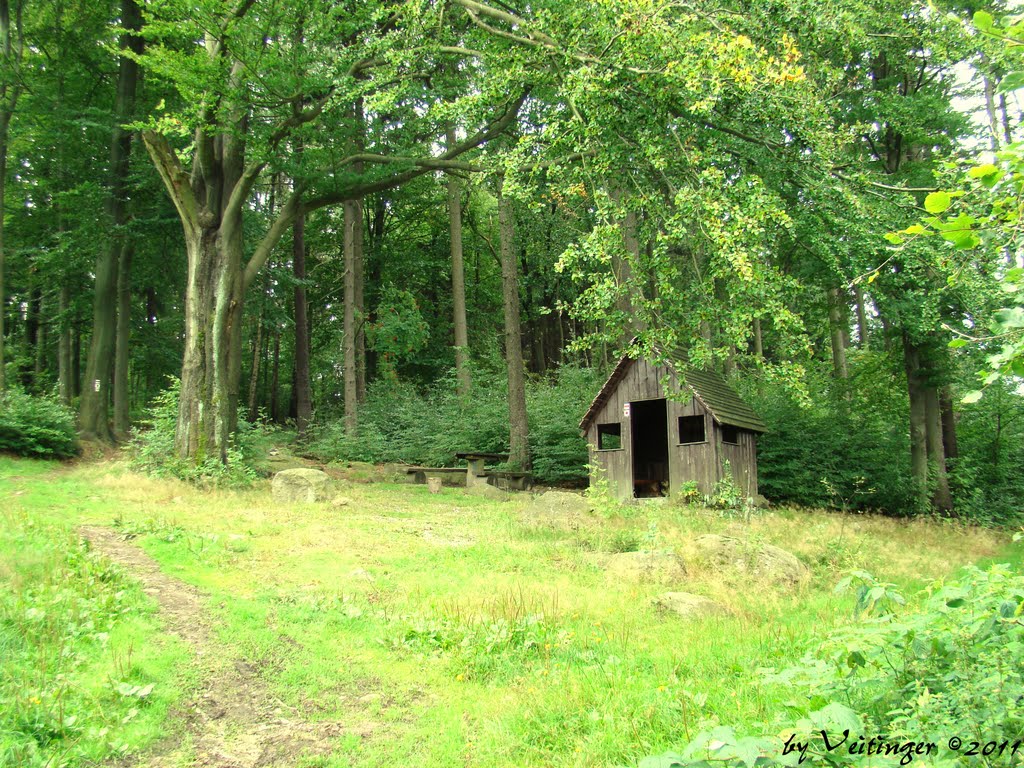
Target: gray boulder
x=304 y=486
x=653 y=567
x=762 y=560
x=487 y=491
x=687 y=605
x=556 y=510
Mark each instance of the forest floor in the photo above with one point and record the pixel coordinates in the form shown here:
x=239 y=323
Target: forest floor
x=402 y=627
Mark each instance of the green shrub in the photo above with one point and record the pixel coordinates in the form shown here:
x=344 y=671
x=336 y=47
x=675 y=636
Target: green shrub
x=726 y=495
x=689 y=492
x=986 y=480
x=154 y=452
x=555 y=408
x=36 y=426
x=833 y=452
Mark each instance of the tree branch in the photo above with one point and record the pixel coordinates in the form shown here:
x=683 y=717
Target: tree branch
x=494 y=129
x=473 y=7
x=175 y=180
x=284 y=219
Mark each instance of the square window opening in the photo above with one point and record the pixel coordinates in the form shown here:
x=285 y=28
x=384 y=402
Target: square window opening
x=691 y=429
x=730 y=434
x=609 y=437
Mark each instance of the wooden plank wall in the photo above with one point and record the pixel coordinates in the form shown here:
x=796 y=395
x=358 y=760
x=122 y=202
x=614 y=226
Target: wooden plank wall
x=696 y=461
x=742 y=458
x=700 y=462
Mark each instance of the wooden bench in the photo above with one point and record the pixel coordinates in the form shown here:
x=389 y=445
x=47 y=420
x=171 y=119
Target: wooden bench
x=420 y=474
x=510 y=481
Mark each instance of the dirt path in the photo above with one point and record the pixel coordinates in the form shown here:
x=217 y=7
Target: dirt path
x=233 y=719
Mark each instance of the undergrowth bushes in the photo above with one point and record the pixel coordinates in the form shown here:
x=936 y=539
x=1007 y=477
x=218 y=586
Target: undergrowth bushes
x=841 y=450
x=849 y=449
x=36 y=426
x=952 y=669
x=399 y=423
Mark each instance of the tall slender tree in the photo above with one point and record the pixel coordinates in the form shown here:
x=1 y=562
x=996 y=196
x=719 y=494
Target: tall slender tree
x=94 y=409
x=519 y=431
x=12 y=46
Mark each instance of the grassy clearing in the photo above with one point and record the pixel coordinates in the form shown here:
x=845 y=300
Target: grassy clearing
x=457 y=630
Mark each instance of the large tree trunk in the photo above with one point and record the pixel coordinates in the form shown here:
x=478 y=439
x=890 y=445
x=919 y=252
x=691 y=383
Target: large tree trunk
x=622 y=268
x=254 y=376
x=122 y=409
x=918 y=420
x=352 y=222
x=207 y=414
x=927 y=446
x=93 y=412
x=519 y=434
x=275 y=380
x=5 y=122
x=942 y=500
x=358 y=305
x=862 y=317
x=64 y=381
x=949 y=441
x=303 y=396
x=837 y=332
x=458 y=280
x=76 y=360
x=39 y=343
x=358 y=265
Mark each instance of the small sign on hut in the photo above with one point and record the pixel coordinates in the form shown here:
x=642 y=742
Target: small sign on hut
x=653 y=428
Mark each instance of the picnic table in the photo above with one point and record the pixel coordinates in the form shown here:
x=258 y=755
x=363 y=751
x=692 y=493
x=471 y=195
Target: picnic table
x=476 y=472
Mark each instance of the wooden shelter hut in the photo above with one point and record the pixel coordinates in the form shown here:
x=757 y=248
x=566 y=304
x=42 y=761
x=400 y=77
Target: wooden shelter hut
x=653 y=428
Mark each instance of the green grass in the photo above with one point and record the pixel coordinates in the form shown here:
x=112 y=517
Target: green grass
x=86 y=674
x=450 y=629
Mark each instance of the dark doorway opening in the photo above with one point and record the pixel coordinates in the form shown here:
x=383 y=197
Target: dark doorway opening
x=650 y=448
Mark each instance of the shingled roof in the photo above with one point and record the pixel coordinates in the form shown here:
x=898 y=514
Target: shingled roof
x=710 y=389
x=721 y=400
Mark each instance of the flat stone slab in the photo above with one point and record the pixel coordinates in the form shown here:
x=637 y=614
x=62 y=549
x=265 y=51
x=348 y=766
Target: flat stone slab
x=300 y=486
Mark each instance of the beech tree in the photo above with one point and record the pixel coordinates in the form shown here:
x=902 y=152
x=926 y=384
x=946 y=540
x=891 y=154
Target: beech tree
x=248 y=91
